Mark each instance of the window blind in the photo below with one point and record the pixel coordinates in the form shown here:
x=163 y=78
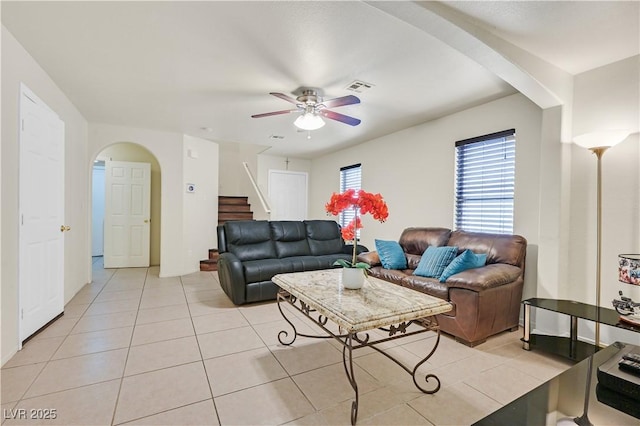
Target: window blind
x=350 y=178
x=485 y=182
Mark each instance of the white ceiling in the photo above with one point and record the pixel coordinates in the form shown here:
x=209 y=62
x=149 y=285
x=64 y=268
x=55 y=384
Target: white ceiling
x=184 y=66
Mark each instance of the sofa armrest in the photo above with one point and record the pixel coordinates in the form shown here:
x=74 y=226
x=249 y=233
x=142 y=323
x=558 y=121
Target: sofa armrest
x=370 y=257
x=231 y=275
x=348 y=249
x=486 y=277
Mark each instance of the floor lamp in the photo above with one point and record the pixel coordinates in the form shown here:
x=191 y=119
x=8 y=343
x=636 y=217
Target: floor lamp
x=598 y=143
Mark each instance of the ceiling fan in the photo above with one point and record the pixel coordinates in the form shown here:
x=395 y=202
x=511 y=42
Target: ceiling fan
x=313 y=108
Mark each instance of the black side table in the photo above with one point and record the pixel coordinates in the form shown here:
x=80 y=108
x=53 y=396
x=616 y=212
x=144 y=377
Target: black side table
x=568 y=347
x=574 y=391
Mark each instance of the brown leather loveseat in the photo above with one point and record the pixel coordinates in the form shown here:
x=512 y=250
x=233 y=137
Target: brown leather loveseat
x=486 y=300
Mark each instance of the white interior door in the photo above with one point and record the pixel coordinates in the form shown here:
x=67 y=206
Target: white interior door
x=42 y=226
x=97 y=219
x=127 y=214
x=288 y=195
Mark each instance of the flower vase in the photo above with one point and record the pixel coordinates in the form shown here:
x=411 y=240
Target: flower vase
x=352 y=278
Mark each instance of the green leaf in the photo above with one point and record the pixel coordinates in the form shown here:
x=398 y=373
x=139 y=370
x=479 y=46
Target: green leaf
x=343 y=263
x=362 y=265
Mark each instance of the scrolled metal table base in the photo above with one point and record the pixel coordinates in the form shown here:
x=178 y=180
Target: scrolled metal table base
x=351 y=341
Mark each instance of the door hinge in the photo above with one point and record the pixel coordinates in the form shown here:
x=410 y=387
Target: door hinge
x=22 y=124
x=21 y=313
x=21 y=219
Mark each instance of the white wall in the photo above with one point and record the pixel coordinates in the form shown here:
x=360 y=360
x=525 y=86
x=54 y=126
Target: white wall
x=200 y=162
x=608 y=97
x=233 y=178
x=273 y=162
x=18 y=66
x=413 y=169
x=167 y=149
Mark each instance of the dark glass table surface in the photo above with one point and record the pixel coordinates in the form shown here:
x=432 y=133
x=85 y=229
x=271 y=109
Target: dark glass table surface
x=562 y=398
x=581 y=310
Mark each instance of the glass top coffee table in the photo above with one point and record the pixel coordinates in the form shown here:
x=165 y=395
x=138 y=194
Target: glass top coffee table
x=321 y=297
x=579 y=392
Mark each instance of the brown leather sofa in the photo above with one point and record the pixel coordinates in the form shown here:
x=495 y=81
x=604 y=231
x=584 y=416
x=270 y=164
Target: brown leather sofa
x=485 y=300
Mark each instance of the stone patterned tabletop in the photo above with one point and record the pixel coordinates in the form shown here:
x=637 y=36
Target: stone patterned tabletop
x=377 y=304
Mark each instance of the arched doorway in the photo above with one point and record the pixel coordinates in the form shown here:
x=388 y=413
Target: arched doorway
x=130 y=152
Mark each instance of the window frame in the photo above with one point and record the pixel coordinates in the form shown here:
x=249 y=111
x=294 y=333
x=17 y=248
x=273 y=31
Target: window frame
x=347 y=175
x=484 y=193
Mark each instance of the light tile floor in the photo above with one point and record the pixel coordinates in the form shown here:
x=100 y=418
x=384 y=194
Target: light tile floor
x=133 y=348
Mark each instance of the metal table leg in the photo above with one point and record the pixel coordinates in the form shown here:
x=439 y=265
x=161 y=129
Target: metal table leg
x=527 y=327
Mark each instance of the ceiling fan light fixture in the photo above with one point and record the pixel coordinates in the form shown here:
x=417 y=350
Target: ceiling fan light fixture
x=309 y=121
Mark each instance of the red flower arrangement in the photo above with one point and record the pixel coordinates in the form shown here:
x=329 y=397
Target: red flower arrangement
x=361 y=202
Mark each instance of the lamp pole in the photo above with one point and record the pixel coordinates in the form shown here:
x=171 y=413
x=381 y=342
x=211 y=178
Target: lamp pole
x=598 y=151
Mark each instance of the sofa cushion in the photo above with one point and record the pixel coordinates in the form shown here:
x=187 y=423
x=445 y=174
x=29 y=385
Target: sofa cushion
x=509 y=249
x=312 y=263
x=392 y=275
x=290 y=238
x=391 y=254
x=435 y=260
x=489 y=276
x=466 y=260
x=372 y=258
x=323 y=237
x=249 y=239
x=416 y=240
x=430 y=286
x=265 y=269
x=413 y=260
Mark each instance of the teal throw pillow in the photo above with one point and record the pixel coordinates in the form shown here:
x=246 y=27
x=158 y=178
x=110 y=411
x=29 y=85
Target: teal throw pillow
x=391 y=255
x=434 y=260
x=466 y=260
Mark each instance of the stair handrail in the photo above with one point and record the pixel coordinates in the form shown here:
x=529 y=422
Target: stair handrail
x=261 y=197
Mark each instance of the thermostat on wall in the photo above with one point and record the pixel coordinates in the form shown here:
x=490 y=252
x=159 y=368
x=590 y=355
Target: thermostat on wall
x=191 y=187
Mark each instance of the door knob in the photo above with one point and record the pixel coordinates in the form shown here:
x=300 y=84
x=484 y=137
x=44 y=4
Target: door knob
x=146 y=221
x=64 y=228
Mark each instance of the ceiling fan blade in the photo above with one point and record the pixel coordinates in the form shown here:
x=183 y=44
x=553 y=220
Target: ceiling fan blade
x=267 y=114
x=345 y=100
x=284 y=97
x=351 y=121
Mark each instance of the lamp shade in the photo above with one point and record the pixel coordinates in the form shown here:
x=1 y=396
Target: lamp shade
x=309 y=121
x=629 y=268
x=604 y=138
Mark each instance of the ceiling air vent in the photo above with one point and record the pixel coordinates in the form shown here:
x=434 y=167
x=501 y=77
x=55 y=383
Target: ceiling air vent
x=359 y=86
x=276 y=137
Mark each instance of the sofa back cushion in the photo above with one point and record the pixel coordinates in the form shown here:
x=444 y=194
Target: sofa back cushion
x=416 y=240
x=249 y=239
x=500 y=248
x=323 y=237
x=290 y=238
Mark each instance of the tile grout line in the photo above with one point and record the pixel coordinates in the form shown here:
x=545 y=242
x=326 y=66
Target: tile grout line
x=159 y=412
x=124 y=369
x=204 y=367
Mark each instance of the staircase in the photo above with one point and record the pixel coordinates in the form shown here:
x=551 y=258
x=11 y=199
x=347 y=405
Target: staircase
x=229 y=208
x=210 y=264
x=233 y=208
